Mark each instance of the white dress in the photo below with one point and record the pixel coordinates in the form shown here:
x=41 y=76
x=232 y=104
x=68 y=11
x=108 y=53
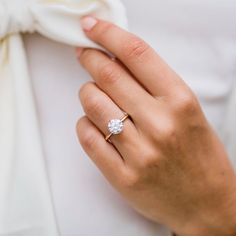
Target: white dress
x=197 y=38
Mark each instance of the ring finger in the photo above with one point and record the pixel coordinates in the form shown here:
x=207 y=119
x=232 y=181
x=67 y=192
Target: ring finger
x=100 y=109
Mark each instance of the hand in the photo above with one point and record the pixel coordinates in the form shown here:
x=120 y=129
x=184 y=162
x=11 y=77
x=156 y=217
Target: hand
x=168 y=162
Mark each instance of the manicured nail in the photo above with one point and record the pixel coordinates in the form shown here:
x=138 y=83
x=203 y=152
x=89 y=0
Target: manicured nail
x=88 y=22
x=79 y=52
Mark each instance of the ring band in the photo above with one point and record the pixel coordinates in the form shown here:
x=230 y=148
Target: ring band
x=115 y=126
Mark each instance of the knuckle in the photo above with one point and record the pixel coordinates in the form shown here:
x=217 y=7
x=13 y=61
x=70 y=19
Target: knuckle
x=92 y=104
x=148 y=158
x=103 y=28
x=135 y=48
x=109 y=74
x=85 y=56
x=169 y=130
x=130 y=180
x=84 y=89
x=170 y=135
x=135 y=179
x=164 y=133
x=187 y=104
x=88 y=140
x=80 y=123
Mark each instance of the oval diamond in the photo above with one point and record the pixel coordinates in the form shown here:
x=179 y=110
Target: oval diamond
x=115 y=126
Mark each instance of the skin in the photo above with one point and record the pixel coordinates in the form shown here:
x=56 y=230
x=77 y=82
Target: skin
x=168 y=162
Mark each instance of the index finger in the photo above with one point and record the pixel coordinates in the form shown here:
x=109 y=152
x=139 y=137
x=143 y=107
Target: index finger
x=142 y=60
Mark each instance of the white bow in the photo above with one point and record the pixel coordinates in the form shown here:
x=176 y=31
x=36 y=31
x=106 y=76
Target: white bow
x=26 y=207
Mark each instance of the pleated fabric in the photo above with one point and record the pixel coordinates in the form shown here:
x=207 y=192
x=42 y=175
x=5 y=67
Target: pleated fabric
x=26 y=206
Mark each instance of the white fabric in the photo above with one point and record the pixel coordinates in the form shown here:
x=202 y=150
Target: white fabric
x=201 y=49
x=196 y=37
x=26 y=207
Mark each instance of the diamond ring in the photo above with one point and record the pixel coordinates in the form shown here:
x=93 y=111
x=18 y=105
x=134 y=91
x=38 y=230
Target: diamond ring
x=115 y=126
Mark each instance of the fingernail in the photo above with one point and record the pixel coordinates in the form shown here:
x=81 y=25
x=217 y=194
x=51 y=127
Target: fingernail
x=79 y=52
x=88 y=22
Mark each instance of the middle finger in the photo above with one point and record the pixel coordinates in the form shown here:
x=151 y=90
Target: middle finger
x=117 y=83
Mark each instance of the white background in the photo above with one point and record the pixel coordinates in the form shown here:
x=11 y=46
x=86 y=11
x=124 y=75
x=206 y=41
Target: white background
x=197 y=38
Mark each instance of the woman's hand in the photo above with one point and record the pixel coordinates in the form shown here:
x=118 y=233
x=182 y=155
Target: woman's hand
x=168 y=163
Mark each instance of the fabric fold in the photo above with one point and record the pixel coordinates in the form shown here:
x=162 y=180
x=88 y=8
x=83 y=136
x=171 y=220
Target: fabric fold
x=26 y=206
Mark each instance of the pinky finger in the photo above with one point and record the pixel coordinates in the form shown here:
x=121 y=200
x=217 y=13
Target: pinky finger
x=103 y=154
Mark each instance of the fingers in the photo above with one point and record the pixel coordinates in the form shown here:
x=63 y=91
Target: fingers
x=151 y=71
x=117 y=83
x=104 y=155
x=100 y=109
